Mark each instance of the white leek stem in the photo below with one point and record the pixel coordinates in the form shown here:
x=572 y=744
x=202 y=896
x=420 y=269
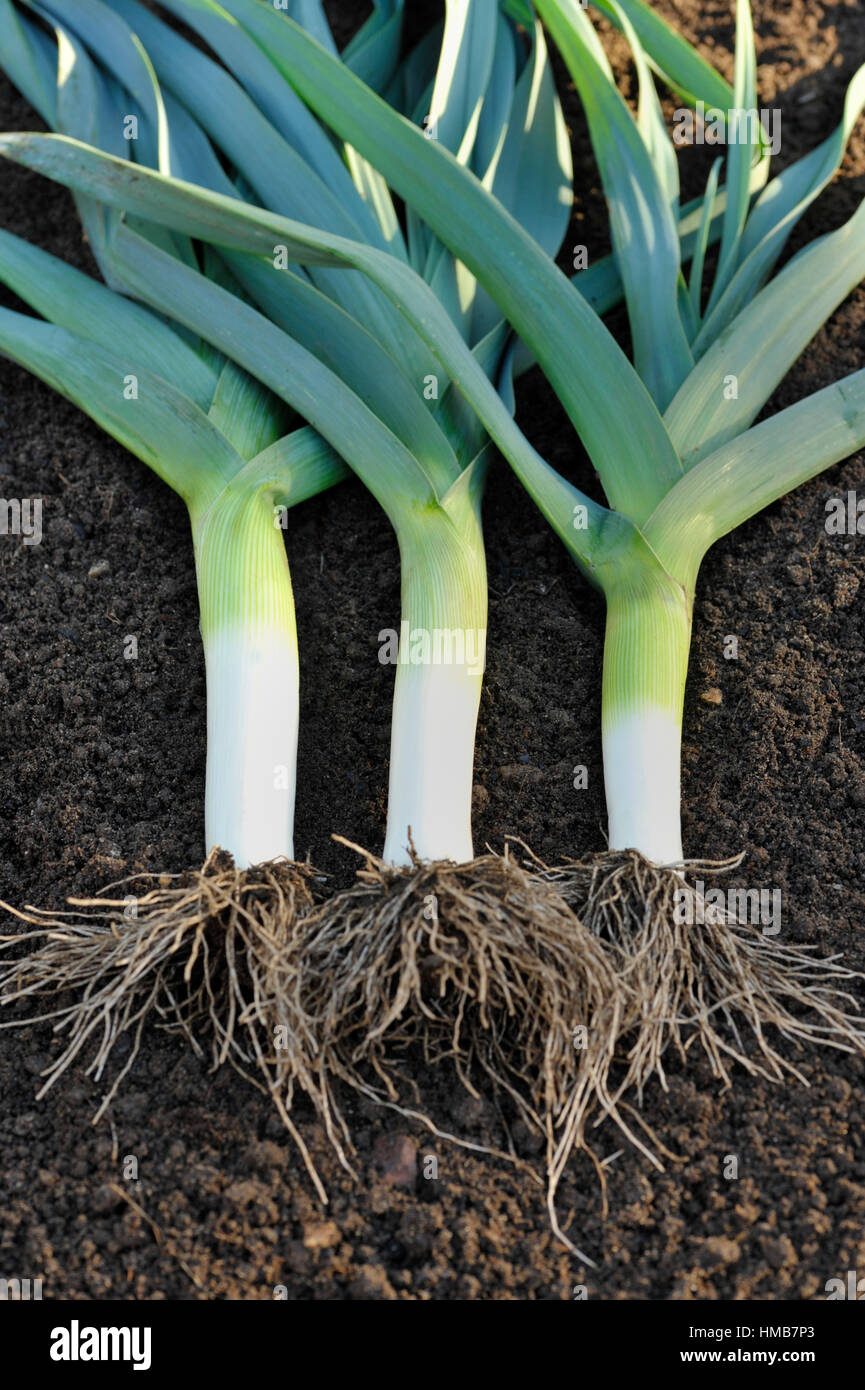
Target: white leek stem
x=645 y=665
x=252 y=718
x=438 y=685
x=250 y=646
x=435 y=711
x=642 y=754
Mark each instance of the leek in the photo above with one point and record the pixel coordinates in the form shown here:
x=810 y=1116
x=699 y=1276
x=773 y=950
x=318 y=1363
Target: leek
x=217 y=441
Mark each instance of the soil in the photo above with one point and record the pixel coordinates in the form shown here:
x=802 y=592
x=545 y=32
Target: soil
x=103 y=767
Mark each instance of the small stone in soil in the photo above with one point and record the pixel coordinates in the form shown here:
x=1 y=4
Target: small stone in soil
x=395 y=1160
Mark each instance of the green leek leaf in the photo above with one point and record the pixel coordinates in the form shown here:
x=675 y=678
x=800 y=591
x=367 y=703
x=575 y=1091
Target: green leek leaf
x=642 y=222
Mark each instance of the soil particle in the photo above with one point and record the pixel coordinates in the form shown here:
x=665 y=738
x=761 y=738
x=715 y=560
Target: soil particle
x=395 y=1159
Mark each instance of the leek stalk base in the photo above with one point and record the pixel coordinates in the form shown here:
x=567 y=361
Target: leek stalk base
x=440 y=666
x=648 y=636
x=250 y=645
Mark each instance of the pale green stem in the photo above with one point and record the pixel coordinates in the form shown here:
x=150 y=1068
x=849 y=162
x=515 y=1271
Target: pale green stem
x=437 y=691
x=648 y=637
x=250 y=646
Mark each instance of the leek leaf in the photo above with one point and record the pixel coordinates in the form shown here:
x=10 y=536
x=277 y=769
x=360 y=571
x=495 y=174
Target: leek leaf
x=161 y=424
x=302 y=464
x=373 y=52
x=337 y=340
x=741 y=152
x=83 y=111
x=498 y=99
x=279 y=176
x=387 y=467
x=243 y=411
x=83 y=306
x=680 y=66
x=28 y=58
x=732 y=382
x=753 y=470
x=532 y=175
x=698 y=260
x=283 y=109
x=642 y=221
x=464 y=70
x=776 y=212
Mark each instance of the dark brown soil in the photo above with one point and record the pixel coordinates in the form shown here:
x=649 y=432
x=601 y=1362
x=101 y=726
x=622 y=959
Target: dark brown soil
x=103 y=763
